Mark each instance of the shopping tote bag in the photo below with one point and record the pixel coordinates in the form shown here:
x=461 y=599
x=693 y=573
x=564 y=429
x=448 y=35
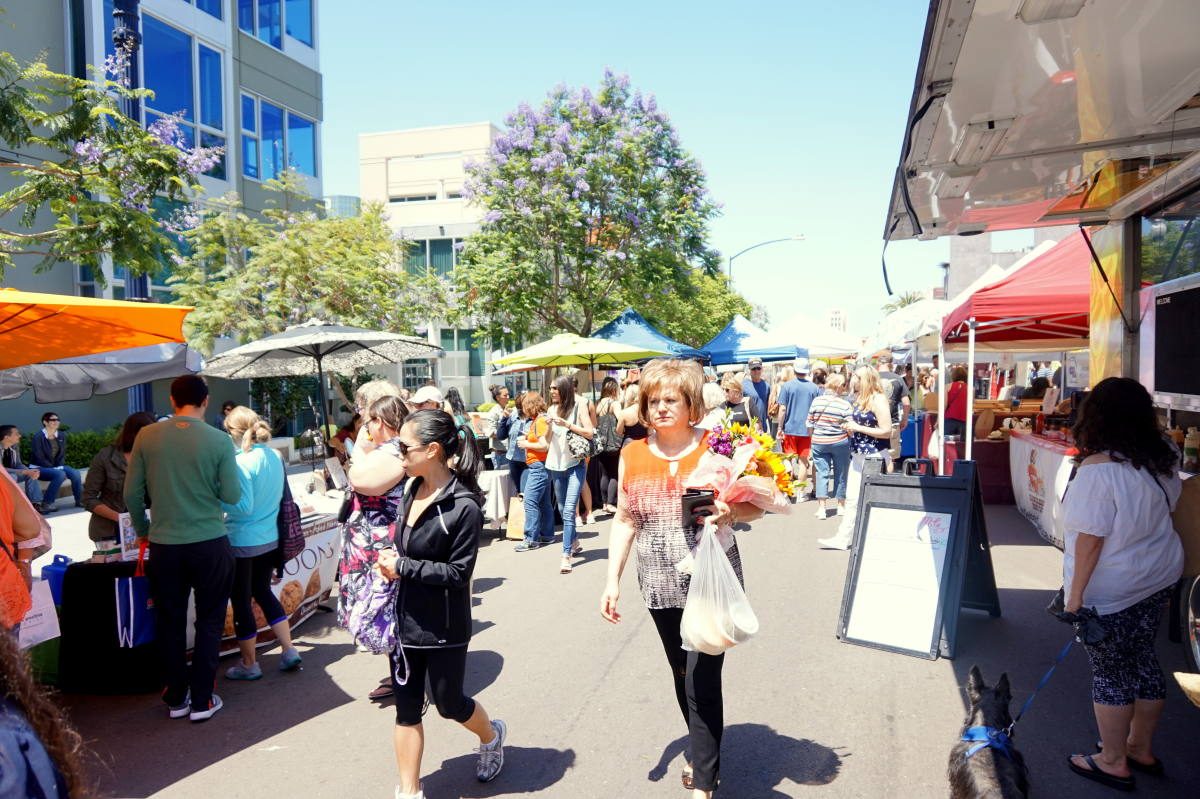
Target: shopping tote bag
x=135 y=607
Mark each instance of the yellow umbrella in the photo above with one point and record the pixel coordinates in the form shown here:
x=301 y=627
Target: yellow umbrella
x=569 y=349
x=35 y=328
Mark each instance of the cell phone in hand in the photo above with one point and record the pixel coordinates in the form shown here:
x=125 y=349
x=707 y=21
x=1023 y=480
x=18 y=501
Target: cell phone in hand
x=692 y=500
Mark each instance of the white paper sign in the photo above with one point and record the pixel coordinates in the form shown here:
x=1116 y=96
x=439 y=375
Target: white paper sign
x=41 y=622
x=900 y=578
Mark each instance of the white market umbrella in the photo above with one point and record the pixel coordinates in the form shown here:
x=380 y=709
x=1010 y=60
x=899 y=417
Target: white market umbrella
x=314 y=347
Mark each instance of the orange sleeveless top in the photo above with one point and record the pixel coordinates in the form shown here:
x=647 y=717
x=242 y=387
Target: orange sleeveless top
x=653 y=499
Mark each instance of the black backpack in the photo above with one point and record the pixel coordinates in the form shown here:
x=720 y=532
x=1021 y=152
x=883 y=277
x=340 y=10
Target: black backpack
x=606 y=438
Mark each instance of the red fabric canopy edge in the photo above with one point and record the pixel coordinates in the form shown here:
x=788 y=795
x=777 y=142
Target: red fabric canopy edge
x=1048 y=298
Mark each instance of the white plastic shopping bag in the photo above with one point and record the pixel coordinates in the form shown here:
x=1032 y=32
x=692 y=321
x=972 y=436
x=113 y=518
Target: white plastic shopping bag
x=717 y=614
x=41 y=622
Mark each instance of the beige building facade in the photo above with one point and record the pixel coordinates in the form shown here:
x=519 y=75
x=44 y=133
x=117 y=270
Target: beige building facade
x=418 y=175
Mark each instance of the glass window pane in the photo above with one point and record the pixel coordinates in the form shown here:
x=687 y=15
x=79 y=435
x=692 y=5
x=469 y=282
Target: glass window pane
x=448 y=339
x=270 y=28
x=299 y=20
x=245 y=14
x=212 y=110
x=1171 y=241
x=416 y=257
x=249 y=115
x=213 y=140
x=109 y=24
x=441 y=256
x=250 y=157
x=475 y=359
x=272 y=140
x=302 y=144
x=212 y=7
x=85 y=275
x=118 y=292
x=87 y=290
x=167 y=66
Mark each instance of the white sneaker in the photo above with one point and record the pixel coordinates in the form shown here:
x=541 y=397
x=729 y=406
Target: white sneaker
x=491 y=756
x=417 y=795
x=841 y=511
x=833 y=543
x=214 y=705
x=822 y=513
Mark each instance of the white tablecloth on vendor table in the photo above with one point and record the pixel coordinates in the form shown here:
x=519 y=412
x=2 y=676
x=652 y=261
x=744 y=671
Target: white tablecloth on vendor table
x=498 y=490
x=1040 y=468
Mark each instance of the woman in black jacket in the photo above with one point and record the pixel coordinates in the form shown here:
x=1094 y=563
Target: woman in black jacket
x=437 y=542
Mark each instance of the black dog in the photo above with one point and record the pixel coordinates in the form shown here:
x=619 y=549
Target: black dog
x=985 y=763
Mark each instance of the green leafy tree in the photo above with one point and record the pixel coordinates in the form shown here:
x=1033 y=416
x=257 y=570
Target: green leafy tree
x=696 y=314
x=95 y=170
x=902 y=300
x=587 y=200
x=250 y=276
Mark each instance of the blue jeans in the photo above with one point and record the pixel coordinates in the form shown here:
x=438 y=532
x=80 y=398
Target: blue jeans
x=33 y=489
x=56 y=477
x=499 y=460
x=539 y=505
x=832 y=459
x=567 y=486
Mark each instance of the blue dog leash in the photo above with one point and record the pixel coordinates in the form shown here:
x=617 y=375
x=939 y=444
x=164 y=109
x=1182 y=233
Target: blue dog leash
x=984 y=737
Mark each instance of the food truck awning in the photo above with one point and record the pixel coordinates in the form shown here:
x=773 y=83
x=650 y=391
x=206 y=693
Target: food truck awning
x=1029 y=113
x=1045 y=301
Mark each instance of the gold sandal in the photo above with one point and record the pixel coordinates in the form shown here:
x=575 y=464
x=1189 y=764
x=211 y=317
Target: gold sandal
x=686 y=778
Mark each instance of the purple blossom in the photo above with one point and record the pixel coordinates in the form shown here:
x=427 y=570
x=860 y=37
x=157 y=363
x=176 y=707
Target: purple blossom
x=562 y=134
x=89 y=151
x=581 y=186
x=166 y=130
x=520 y=184
x=493 y=216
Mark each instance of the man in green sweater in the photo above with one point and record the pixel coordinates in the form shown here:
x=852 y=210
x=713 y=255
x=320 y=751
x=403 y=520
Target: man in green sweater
x=184 y=469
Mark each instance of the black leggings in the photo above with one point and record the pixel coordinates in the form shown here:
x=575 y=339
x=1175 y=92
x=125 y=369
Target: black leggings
x=698 y=690
x=608 y=462
x=446 y=669
x=252 y=578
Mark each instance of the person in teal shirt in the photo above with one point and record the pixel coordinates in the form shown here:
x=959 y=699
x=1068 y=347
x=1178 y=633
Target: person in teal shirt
x=254 y=537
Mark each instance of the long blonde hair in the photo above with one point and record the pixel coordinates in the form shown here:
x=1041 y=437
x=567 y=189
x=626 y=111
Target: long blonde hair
x=869 y=385
x=247 y=428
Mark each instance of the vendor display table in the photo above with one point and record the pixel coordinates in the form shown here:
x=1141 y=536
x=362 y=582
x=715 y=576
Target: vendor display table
x=498 y=490
x=1040 y=468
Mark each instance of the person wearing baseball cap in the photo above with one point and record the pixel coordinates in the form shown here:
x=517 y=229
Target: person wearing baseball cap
x=428 y=398
x=795 y=399
x=755 y=385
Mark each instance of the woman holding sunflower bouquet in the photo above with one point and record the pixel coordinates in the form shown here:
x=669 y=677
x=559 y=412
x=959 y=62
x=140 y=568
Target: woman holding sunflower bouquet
x=652 y=475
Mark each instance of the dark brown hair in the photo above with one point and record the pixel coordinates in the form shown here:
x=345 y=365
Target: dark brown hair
x=958 y=375
x=133 y=425
x=50 y=724
x=390 y=410
x=1118 y=418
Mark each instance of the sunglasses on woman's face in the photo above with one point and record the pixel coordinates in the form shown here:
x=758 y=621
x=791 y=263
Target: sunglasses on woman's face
x=405 y=448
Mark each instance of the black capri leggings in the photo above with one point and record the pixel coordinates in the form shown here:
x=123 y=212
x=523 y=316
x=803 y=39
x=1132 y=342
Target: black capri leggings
x=1125 y=667
x=252 y=578
x=608 y=462
x=446 y=669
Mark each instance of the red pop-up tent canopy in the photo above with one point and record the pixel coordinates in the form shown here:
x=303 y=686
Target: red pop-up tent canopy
x=1041 y=305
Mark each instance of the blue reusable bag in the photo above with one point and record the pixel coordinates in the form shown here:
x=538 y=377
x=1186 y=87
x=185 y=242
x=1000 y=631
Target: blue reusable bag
x=135 y=607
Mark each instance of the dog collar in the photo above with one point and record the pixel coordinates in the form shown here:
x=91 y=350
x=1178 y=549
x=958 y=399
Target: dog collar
x=984 y=737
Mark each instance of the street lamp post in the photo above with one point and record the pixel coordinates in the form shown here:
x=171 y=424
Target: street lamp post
x=798 y=237
x=127 y=41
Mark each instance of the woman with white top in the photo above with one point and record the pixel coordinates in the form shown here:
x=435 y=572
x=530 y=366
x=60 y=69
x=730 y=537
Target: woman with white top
x=566 y=469
x=1121 y=557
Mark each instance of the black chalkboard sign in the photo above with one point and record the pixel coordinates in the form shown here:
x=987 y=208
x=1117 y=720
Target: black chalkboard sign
x=920 y=553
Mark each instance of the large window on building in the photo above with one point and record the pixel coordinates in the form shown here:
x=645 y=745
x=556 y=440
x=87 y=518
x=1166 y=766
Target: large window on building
x=268 y=19
x=186 y=77
x=274 y=138
x=1170 y=245
x=438 y=255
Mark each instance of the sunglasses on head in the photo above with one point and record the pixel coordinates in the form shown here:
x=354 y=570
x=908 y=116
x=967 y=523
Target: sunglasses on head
x=52 y=419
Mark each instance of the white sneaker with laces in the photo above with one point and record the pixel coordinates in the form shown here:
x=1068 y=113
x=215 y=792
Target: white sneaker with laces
x=417 y=795
x=491 y=756
x=214 y=705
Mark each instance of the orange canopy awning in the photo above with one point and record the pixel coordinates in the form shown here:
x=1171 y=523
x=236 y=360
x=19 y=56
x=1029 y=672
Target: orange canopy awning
x=46 y=327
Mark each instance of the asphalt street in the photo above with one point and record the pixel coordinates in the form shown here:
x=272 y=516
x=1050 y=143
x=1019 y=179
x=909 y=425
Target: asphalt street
x=590 y=708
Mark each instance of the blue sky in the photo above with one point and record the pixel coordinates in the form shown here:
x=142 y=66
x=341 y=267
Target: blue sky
x=795 y=109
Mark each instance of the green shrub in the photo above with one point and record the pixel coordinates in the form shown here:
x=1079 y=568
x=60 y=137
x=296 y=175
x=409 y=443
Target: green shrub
x=82 y=445
x=485 y=407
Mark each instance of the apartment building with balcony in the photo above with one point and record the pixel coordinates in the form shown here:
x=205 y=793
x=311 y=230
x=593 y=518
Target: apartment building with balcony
x=241 y=74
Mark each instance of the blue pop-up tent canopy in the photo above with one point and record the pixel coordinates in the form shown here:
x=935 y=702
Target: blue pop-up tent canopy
x=632 y=328
x=742 y=340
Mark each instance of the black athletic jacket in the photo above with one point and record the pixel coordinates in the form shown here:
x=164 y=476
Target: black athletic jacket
x=437 y=559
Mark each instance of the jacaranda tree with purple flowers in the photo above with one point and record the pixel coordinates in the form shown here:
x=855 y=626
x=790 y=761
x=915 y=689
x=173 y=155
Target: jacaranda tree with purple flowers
x=93 y=169
x=589 y=202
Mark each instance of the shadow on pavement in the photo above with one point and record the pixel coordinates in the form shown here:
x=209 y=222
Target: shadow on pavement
x=526 y=770
x=481 y=584
x=755 y=760
x=124 y=734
